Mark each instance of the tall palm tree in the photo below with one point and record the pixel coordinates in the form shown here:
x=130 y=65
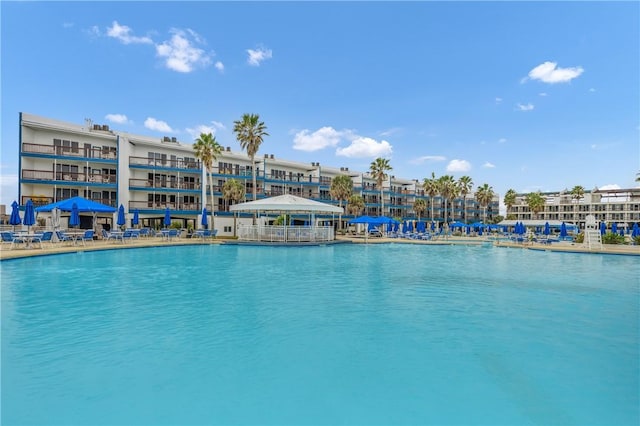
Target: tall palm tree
x=465 y=184
x=250 y=132
x=419 y=206
x=341 y=189
x=355 y=204
x=484 y=195
x=431 y=188
x=535 y=201
x=509 y=200
x=233 y=191
x=207 y=149
x=378 y=169
x=447 y=188
x=577 y=192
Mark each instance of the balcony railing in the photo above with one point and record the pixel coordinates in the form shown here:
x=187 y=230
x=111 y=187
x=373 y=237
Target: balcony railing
x=67 y=176
x=166 y=184
x=161 y=205
x=179 y=163
x=68 y=151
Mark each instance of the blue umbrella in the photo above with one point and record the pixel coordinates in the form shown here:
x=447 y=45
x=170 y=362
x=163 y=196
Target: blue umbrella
x=74 y=220
x=121 y=218
x=15 y=215
x=29 y=214
x=614 y=228
x=433 y=226
x=136 y=217
x=404 y=227
x=635 y=231
x=205 y=221
x=167 y=217
x=563 y=230
x=480 y=231
x=622 y=232
x=547 y=229
x=603 y=228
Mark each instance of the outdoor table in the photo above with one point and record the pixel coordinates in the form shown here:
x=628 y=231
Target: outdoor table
x=28 y=238
x=74 y=235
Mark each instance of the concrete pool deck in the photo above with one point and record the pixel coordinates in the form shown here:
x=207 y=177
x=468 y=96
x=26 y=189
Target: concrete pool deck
x=57 y=248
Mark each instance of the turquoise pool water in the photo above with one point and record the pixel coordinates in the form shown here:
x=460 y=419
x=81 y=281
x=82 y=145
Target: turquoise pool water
x=378 y=334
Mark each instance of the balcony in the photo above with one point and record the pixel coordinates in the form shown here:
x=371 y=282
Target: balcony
x=164 y=184
x=68 y=177
x=161 y=205
x=81 y=153
x=165 y=163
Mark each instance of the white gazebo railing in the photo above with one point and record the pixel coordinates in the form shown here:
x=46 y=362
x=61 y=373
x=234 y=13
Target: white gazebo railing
x=279 y=233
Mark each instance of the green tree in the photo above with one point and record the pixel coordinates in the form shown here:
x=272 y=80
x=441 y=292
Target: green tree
x=233 y=191
x=465 y=184
x=250 y=132
x=535 y=201
x=509 y=200
x=484 y=194
x=355 y=205
x=431 y=188
x=378 y=169
x=447 y=187
x=341 y=189
x=207 y=149
x=577 y=193
x=419 y=206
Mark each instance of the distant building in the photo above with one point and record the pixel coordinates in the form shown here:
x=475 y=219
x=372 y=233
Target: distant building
x=58 y=160
x=620 y=206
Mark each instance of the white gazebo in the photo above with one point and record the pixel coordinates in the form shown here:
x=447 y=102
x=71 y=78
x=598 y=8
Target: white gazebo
x=286 y=204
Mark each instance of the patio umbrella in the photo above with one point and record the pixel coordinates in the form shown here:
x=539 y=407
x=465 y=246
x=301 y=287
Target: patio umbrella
x=29 y=215
x=622 y=232
x=563 y=230
x=480 y=230
x=74 y=220
x=136 y=218
x=121 y=218
x=55 y=218
x=15 y=215
x=603 y=228
x=167 y=217
x=433 y=226
x=635 y=231
x=204 y=222
x=614 y=228
x=547 y=229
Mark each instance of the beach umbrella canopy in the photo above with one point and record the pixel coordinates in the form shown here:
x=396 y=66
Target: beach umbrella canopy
x=74 y=220
x=603 y=228
x=29 y=214
x=167 y=217
x=457 y=225
x=614 y=228
x=82 y=204
x=547 y=229
x=121 y=218
x=563 y=230
x=136 y=217
x=635 y=231
x=15 y=214
x=205 y=221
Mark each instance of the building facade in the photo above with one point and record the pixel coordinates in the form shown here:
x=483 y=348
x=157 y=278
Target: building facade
x=58 y=160
x=620 y=206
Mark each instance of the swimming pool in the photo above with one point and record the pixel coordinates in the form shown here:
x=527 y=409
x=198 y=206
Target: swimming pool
x=345 y=334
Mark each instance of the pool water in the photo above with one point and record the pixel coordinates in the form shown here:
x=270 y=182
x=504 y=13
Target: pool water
x=344 y=334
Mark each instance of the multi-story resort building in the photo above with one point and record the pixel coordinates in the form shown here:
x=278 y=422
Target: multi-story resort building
x=58 y=160
x=620 y=206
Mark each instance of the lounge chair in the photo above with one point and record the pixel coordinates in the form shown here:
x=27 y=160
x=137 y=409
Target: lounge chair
x=10 y=238
x=63 y=238
x=88 y=236
x=109 y=236
x=47 y=237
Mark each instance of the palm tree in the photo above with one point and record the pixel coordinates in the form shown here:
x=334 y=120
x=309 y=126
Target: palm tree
x=509 y=200
x=419 y=206
x=577 y=192
x=233 y=191
x=446 y=188
x=484 y=195
x=355 y=204
x=250 y=132
x=431 y=188
x=207 y=149
x=341 y=189
x=378 y=169
x=465 y=184
x=535 y=202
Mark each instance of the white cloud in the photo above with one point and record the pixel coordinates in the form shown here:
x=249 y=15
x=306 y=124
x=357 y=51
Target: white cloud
x=549 y=72
x=219 y=66
x=320 y=139
x=123 y=33
x=203 y=128
x=180 y=54
x=424 y=158
x=117 y=118
x=219 y=125
x=157 y=125
x=390 y=132
x=543 y=94
x=498 y=100
x=67 y=25
x=488 y=165
x=610 y=186
x=527 y=107
x=502 y=140
x=258 y=56
x=458 y=166
x=592 y=90
x=363 y=147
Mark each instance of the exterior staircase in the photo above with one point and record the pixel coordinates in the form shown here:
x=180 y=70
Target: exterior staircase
x=593 y=239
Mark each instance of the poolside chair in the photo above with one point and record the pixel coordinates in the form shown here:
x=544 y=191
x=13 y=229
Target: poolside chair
x=63 y=238
x=127 y=235
x=173 y=233
x=88 y=236
x=47 y=237
x=10 y=238
x=109 y=236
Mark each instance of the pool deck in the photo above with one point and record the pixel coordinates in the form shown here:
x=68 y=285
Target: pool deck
x=6 y=253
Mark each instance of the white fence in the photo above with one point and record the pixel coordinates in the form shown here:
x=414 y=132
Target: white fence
x=285 y=233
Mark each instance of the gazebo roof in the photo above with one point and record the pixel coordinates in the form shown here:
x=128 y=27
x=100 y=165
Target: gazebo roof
x=286 y=203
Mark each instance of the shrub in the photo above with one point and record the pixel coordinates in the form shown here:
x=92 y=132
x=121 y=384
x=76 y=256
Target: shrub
x=580 y=238
x=611 y=238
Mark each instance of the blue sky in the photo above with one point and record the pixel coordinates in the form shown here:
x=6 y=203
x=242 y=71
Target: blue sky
x=530 y=96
